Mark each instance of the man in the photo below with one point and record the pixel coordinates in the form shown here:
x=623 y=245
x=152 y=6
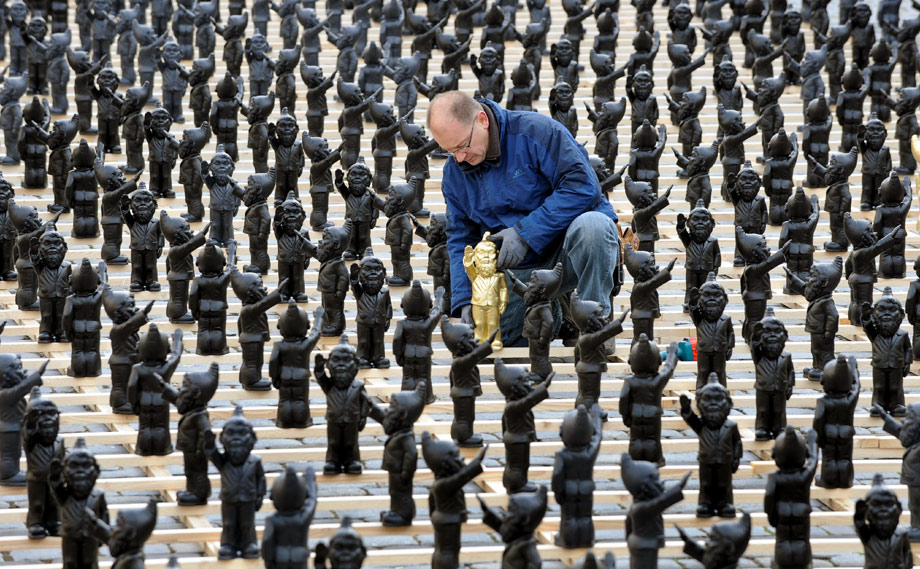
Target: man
x=523 y=177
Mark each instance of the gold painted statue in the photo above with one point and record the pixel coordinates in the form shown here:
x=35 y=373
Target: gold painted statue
x=490 y=290
x=915 y=150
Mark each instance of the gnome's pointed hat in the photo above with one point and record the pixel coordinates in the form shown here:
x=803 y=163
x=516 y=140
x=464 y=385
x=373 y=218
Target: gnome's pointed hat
x=634 y=260
x=798 y=206
x=205 y=381
x=153 y=345
x=746 y=242
x=637 y=473
x=891 y=191
x=452 y=333
x=790 y=450
x=506 y=375
x=416 y=300
x=85 y=278
x=644 y=356
x=736 y=533
x=854 y=228
x=170 y=226
x=211 y=258
x=294 y=321
x=837 y=376
x=818 y=110
x=436 y=451
x=577 y=428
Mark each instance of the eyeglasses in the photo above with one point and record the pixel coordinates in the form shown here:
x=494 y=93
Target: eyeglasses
x=468 y=143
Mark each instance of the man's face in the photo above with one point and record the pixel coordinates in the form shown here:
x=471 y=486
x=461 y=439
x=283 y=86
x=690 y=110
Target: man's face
x=161 y=121
x=108 y=79
x=749 y=184
x=47 y=421
x=371 y=277
x=714 y=407
x=488 y=61
x=467 y=142
x=564 y=53
x=172 y=52
x=358 y=179
x=259 y=45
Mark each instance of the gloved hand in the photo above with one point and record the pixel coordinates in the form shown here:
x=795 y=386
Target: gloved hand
x=513 y=248
x=466 y=315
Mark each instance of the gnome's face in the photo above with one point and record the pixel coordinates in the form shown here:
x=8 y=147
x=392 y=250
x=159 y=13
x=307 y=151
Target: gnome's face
x=256 y=291
x=565 y=97
x=125 y=310
x=13 y=373
x=160 y=123
x=437 y=233
x=358 y=179
x=760 y=252
x=535 y=292
x=259 y=45
x=773 y=339
x=714 y=407
x=172 y=54
x=485 y=259
x=6 y=192
x=910 y=428
x=883 y=513
x=728 y=74
x=681 y=17
x=564 y=53
x=393 y=206
x=346 y=552
x=108 y=79
x=80 y=472
x=183 y=233
x=38 y=28
x=222 y=168
x=371 y=276
x=188 y=397
x=642 y=86
x=47 y=420
x=488 y=61
x=816 y=285
x=700 y=227
x=861 y=15
x=748 y=184
x=18 y=12
x=287 y=131
x=875 y=135
x=52 y=252
x=143 y=206
x=343 y=366
x=712 y=302
x=292 y=218
x=238 y=440
x=888 y=316
x=647 y=269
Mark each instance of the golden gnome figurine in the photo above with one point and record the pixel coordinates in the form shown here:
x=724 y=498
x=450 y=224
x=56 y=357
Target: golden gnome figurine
x=490 y=290
x=915 y=150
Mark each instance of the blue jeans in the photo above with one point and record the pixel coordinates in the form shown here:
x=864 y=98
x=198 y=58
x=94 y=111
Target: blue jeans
x=589 y=254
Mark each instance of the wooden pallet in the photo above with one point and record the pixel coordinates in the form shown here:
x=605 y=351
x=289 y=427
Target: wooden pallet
x=85 y=401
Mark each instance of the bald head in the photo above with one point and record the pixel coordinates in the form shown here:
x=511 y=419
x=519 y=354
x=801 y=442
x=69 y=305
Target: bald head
x=453 y=106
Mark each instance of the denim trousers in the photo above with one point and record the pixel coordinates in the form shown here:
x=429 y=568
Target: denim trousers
x=588 y=253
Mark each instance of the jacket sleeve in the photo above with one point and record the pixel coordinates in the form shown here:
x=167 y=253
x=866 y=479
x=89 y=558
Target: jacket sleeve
x=461 y=231
x=576 y=189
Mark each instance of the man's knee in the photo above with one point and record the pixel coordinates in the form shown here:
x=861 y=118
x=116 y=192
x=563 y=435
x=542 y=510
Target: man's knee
x=590 y=229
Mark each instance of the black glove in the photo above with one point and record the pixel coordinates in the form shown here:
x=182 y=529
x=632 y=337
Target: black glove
x=513 y=248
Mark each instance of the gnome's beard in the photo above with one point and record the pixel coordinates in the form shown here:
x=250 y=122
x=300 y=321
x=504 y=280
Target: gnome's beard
x=884 y=524
x=81 y=485
x=714 y=415
x=47 y=433
x=713 y=311
x=887 y=327
x=910 y=433
x=237 y=451
x=372 y=285
x=772 y=348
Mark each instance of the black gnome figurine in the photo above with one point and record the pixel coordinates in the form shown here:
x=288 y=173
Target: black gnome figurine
x=72 y=479
x=890 y=215
x=132 y=126
x=242 y=486
x=400 y=455
x=14 y=385
x=750 y=207
x=445 y=497
x=821 y=318
x=81 y=319
x=7 y=232
x=253 y=325
x=913 y=310
x=720 y=447
x=163 y=150
x=412 y=338
x=346 y=407
x=435 y=236
x=834 y=421
x=145 y=390
x=714 y=329
x=876 y=519
x=81 y=192
x=780 y=156
x=333 y=279
x=257 y=113
x=644 y=522
x=28 y=225
x=517 y=526
x=225 y=194
x=53 y=274
x=294 y=248
x=191 y=401
x=640 y=398
x=799 y=231
x=345 y=551
x=289 y=365
x=860 y=266
x=643 y=195
x=257 y=223
x=643 y=299
x=225 y=113
x=42 y=445
x=287 y=530
x=374 y=311
x=207 y=298
x=695 y=168
x=60 y=161
x=540 y=289
x=908 y=434
x=179 y=268
x=892 y=352
x=114 y=186
x=727 y=543
x=200 y=96
x=787 y=498
x=774 y=375
x=702 y=252
x=127 y=537
x=573 y=475
x=137 y=211
x=590 y=361
x=816 y=140
x=399 y=230
x=837 y=198
x=465 y=386
x=755 y=279
x=518 y=429
x=876 y=160
x=126 y=321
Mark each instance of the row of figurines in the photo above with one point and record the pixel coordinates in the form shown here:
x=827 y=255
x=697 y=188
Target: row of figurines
x=63 y=500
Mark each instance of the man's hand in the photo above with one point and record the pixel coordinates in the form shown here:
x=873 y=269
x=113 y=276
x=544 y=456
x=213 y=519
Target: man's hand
x=466 y=315
x=513 y=248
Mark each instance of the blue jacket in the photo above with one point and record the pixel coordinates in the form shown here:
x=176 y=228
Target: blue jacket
x=540 y=184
